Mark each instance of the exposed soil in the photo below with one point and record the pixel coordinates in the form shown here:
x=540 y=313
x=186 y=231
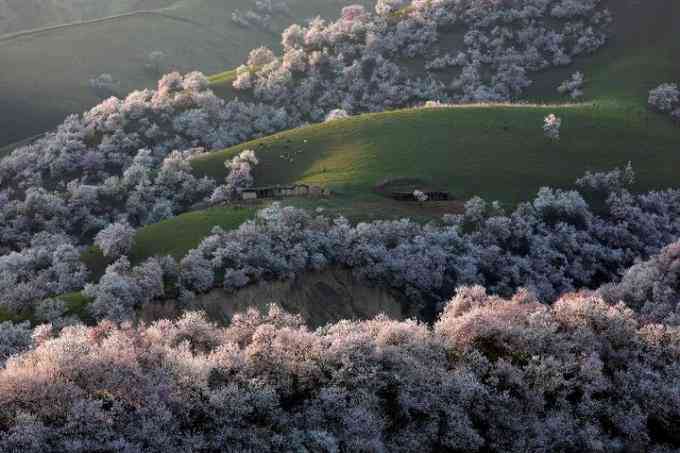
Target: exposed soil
x=319 y=297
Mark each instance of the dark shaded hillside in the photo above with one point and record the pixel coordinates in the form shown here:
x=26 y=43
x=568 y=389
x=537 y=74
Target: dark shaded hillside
x=643 y=51
x=45 y=76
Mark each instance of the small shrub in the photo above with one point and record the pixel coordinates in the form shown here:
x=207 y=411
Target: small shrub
x=551 y=127
x=573 y=87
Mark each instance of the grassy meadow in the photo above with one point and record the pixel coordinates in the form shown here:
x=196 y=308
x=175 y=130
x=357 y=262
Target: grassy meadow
x=497 y=152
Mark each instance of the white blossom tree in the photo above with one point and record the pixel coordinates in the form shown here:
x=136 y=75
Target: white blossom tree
x=336 y=114
x=116 y=240
x=240 y=177
x=551 y=127
x=14 y=339
x=420 y=196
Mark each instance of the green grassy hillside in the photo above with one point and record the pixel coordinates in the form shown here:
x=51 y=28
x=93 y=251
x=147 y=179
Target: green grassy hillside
x=495 y=151
x=174 y=237
x=644 y=51
x=498 y=152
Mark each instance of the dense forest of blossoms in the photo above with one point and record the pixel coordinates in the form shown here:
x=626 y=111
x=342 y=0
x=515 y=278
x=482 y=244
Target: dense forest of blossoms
x=585 y=373
x=552 y=245
x=555 y=327
x=413 y=52
x=491 y=375
x=124 y=158
x=125 y=162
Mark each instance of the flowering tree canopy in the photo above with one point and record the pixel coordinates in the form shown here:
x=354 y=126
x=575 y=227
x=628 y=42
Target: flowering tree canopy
x=551 y=127
x=491 y=375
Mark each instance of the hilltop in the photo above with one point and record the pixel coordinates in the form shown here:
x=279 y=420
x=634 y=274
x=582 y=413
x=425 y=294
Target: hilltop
x=495 y=151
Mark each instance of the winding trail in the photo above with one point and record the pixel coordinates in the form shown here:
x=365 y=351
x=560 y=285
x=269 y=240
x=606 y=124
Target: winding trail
x=161 y=13
x=52 y=28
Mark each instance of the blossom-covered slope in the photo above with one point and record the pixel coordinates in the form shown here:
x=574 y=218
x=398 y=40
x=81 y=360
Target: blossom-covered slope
x=545 y=322
x=142 y=159
x=491 y=375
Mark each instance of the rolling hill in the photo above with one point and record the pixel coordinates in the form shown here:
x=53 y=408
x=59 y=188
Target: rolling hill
x=498 y=151
x=495 y=151
x=45 y=73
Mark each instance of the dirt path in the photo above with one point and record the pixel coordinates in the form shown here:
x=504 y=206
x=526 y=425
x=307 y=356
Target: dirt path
x=40 y=31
